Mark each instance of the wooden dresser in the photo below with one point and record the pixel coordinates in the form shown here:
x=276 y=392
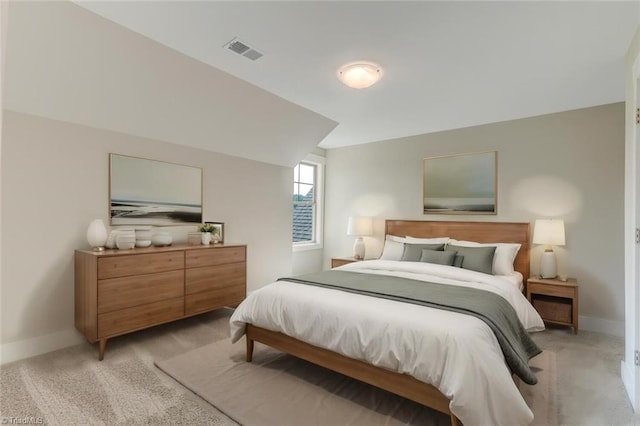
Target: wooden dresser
x=120 y=291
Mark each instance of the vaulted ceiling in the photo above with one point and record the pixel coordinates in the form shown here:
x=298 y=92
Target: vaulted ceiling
x=447 y=65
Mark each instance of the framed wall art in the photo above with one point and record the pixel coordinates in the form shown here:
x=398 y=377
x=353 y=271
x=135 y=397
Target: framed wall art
x=150 y=192
x=461 y=184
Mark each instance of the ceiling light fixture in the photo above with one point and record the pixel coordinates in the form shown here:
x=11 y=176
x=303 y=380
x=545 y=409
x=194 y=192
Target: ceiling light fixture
x=360 y=75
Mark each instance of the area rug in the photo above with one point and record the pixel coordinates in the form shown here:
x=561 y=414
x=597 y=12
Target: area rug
x=279 y=389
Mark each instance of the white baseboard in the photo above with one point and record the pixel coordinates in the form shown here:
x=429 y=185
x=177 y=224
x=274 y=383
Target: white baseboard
x=14 y=351
x=600 y=325
x=629 y=383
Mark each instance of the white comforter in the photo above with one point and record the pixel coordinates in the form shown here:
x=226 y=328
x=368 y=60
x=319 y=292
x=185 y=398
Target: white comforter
x=456 y=353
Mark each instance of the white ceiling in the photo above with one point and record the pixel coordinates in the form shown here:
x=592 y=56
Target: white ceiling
x=447 y=64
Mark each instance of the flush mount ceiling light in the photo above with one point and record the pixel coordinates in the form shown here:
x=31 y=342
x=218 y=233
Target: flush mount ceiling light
x=360 y=75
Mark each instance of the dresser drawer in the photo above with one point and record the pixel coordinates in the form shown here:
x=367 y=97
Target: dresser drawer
x=213 y=299
x=215 y=256
x=137 y=317
x=122 y=265
x=221 y=276
x=134 y=290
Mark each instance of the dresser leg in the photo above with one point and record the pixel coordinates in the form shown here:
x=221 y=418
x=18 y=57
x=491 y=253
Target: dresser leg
x=103 y=346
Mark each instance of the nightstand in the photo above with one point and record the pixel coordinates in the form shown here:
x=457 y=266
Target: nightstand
x=339 y=261
x=556 y=301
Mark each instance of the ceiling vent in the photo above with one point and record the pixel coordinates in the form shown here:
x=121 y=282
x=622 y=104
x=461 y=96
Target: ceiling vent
x=242 y=48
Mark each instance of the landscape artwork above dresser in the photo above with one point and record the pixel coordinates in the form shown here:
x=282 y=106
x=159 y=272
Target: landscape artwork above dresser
x=150 y=192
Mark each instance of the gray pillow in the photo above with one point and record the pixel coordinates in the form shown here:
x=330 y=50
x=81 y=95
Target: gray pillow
x=413 y=252
x=457 y=261
x=475 y=258
x=439 y=257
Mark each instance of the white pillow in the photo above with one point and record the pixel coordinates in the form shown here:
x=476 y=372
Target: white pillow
x=502 y=259
x=393 y=248
x=440 y=240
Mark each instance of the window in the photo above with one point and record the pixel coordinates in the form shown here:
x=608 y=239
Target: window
x=307 y=196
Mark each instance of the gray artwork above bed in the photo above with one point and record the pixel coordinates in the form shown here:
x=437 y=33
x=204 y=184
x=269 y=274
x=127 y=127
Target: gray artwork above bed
x=460 y=184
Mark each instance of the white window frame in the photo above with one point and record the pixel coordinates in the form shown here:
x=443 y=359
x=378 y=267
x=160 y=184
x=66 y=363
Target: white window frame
x=318 y=217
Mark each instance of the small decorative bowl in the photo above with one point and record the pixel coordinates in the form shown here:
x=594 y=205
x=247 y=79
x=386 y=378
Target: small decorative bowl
x=162 y=240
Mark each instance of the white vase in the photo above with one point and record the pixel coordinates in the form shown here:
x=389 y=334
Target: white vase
x=205 y=237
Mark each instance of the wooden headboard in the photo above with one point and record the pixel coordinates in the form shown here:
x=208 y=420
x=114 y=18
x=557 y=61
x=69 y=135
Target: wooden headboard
x=482 y=232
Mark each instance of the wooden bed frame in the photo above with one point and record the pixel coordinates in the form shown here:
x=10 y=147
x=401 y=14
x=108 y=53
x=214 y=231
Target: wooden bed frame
x=402 y=384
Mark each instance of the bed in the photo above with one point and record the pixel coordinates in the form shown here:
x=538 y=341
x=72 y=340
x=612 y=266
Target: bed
x=459 y=373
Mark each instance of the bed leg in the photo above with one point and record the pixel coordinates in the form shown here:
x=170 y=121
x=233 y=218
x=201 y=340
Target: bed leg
x=249 y=349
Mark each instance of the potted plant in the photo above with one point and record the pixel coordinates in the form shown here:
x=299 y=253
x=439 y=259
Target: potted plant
x=206 y=229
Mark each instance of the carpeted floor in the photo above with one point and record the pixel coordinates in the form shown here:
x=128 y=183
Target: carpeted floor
x=277 y=389
x=70 y=386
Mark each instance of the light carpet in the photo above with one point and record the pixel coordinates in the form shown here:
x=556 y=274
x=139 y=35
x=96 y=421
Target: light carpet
x=278 y=389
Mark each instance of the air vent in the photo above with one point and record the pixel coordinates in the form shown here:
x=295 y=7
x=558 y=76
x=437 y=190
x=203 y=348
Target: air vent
x=239 y=47
x=242 y=48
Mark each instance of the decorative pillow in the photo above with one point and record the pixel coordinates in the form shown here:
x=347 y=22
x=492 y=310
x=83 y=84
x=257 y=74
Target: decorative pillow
x=439 y=240
x=475 y=258
x=457 y=261
x=504 y=256
x=439 y=257
x=413 y=252
x=393 y=248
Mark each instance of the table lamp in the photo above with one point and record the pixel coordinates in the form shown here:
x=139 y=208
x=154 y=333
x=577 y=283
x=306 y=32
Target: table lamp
x=549 y=232
x=359 y=226
x=97 y=235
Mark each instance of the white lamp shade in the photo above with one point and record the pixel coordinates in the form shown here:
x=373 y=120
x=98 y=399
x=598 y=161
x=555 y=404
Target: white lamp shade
x=360 y=226
x=97 y=233
x=360 y=75
x=549 y=232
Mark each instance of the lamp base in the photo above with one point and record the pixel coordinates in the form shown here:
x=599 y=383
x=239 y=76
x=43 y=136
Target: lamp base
x=548 y=265
x=98 y=248
x=358 y=249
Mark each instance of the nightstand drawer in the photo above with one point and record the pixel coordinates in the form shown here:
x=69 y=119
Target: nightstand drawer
x=551 y=290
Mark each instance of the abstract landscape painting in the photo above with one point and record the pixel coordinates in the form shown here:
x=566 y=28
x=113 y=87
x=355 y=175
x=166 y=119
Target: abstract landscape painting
x=460 y=184
x=149 y=192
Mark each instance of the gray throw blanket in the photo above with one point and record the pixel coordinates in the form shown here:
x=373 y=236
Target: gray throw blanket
x=495 y=311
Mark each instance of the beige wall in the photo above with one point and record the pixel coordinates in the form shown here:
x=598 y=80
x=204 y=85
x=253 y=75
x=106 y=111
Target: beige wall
x=55 y=181
x=567 y=165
